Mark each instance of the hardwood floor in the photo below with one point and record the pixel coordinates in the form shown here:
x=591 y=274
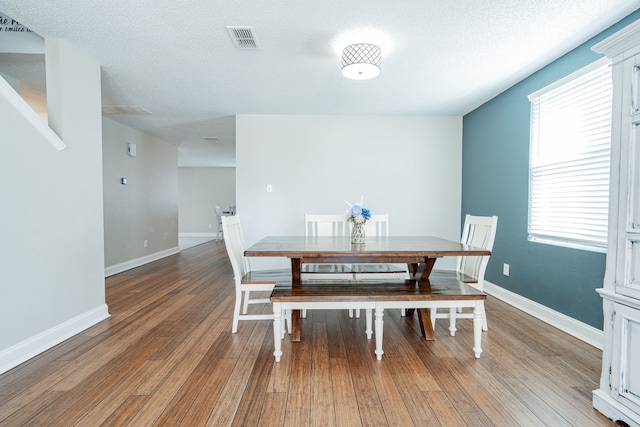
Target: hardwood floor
x=167 y=357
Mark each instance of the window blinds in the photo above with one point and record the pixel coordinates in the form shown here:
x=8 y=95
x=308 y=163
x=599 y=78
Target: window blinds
x=569 y=160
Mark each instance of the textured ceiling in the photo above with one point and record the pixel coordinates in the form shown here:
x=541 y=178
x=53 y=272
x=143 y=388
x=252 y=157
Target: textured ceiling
x=177 y=60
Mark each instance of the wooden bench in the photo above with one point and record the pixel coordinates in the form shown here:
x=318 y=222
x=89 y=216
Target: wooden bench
x=378 y=296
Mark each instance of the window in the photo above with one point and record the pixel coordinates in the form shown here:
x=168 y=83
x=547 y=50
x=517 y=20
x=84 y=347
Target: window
x=569 y=159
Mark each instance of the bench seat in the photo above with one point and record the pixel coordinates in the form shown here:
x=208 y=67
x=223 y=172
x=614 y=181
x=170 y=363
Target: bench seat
x=378 y=296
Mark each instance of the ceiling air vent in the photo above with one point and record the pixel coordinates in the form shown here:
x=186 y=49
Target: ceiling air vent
x=243 y=37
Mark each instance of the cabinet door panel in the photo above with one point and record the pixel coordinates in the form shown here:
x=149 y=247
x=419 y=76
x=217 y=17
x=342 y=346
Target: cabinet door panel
x=629 y=381
x=633 y=168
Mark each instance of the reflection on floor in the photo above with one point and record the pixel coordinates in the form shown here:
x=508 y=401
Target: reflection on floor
x=189 y=242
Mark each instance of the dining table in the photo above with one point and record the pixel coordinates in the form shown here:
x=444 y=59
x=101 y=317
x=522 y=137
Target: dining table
x=418 y=252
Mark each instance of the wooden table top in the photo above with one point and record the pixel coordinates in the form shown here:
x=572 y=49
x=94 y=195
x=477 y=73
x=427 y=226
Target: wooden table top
x=382 y=247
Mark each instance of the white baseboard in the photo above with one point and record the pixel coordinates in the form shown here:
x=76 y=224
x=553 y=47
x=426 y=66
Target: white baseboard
x=25 y=350
x=128 y=265
x=212 y=235
x=578 y=329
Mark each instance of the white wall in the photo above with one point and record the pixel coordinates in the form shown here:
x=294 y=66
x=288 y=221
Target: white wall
x=406 y=166
x=146 y=208
x=199 y=191
x=51 y=244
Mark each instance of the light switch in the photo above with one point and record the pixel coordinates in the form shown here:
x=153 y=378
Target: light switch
x=269 y=188
x=123 y=181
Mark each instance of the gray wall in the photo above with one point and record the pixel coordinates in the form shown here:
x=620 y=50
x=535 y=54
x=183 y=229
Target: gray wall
x=51 y=249
x=147 y=207
x=199 y=191
x=495 y=181
x=406 y=166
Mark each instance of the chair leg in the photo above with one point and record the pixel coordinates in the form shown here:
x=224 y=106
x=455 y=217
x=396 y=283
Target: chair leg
x=368 y=313
x=351 y=310
x=236 y=313
x=245 y=304
x=478 y=313
x=485 y=326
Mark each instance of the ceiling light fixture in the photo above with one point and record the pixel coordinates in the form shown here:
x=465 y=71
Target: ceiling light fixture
x=361 y=61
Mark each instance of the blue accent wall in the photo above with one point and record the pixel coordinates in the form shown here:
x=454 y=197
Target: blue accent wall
x=495 y=181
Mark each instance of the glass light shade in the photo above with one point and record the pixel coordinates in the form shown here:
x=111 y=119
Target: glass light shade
x=361 y=61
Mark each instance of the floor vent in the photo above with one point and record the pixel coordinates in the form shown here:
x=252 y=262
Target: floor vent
x=243 y=38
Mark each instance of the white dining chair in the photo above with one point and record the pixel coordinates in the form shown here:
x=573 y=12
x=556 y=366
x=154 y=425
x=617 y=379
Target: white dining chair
x=248 y=280
x=320 y=225
x=378 y=226
x=478 y=231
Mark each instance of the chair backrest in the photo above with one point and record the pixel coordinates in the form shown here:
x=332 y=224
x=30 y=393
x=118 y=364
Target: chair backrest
x=234 y=241
x=479 y=231
x=325 y=225
x=377 y=225
x=219 y=212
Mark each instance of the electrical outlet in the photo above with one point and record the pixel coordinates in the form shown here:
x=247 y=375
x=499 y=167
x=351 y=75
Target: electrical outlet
x=146 y=243
x=505 y=269
x=269 y=188
x=209 y=225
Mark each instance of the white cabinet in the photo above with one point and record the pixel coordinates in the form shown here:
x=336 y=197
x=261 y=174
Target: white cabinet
x=618 y=396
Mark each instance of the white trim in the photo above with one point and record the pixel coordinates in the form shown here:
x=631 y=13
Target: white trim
x=128 y=265
x=21 y=106
x=212 y=235
x=625 y=41
x=580 y=330
x=25 y=350
x=613 y=409
x=571 y=77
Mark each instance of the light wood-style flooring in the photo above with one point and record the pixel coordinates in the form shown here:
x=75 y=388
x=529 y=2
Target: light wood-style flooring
x=167 y=357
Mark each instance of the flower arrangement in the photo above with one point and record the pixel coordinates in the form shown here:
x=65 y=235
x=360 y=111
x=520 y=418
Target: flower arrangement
x=358 y=216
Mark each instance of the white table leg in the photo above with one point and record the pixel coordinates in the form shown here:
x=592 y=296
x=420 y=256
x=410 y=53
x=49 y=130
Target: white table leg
x=369 y=315
x=277 y=330
x=379 y=329
x=477 y=328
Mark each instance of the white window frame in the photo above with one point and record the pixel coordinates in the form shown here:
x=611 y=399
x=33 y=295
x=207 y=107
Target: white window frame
x=570 y=215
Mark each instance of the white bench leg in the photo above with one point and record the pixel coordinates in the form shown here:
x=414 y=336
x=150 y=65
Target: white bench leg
x=277 y=331
x=452 y=321
x=477 y=328
x=379 y=329
x=369 y=315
